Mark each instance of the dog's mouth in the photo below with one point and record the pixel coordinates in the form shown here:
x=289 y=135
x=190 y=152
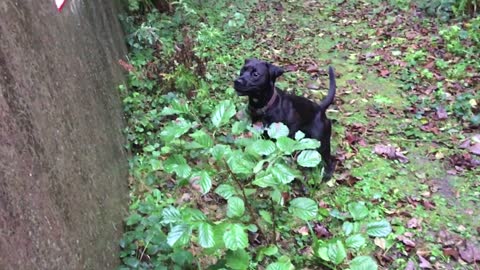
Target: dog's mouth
x=240 y=89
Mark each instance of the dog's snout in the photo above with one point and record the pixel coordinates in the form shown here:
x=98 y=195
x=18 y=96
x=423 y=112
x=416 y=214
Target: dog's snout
x=239 y=81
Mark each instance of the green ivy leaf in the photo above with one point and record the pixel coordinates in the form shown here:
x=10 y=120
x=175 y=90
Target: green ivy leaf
x=202 y=139
x=363 y=263
x=277 y=130
x=177 y=164
x=379 y=228
x=284 y=173
x=336 y=252
x=222 y=113
x=235 y=207
x=175 y=129
x=286 y=145
x=235 y=237
x=205 y=235
x=226 y=191
x=358 y=210
x=238 y=259
x=309 y=158
x=205 y=182
x=303 y=208
x=262 y=147
x=355 y=241
x=177 y=233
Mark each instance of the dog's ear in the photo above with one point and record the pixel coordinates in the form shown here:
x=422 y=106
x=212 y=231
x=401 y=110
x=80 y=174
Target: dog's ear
x=247 y=61
x=274 y=71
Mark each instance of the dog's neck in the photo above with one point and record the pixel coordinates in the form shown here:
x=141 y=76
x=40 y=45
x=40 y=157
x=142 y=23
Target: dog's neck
x=259 y=104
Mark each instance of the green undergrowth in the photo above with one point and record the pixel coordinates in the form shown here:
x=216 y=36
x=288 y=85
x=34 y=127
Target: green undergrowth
x=210 y=190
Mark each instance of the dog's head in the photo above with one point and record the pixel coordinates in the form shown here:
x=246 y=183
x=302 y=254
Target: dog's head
x=256 y=76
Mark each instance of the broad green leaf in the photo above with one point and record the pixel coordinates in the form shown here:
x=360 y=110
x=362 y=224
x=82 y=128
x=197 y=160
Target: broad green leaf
x=177 y=164
x=238 y=259
x=205 y=182
x=299 y=135
x=265 y=179
x=358 y=210
x=175 y=129
x=240 y=163
x=235 y=237
x=150 y=148
x=202 y=139
x=177 y=233
x=252 y=228
x=270 y=250
x=286 y=145
x=182 y=257
x=277 y=197
x=218 y=232
x=266 y=216
x=309 y=158
x=284 y=173
x=379 y=228
x=336 y=252
x=176 y=108
x=226 y=191
x=262 y=147
x=193 y=214
x=277 y=130
x=355 y=241
x=303 y=208
x=171 y=215
x=235 y=207
x=131 y=261
x=307 y=143
x=323 y=253
x=156 y=164
x=363 y=263
x=222 y=113
x=278 y=266
x=205 y=235
x=219 y=151
x=239 y=127
x=347 y=228
x=283 y=263
x=339 y=215
x=259 y=166
x=133 y=219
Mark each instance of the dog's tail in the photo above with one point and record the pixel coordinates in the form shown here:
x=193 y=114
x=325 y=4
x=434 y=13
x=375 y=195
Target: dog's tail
x=331 y=91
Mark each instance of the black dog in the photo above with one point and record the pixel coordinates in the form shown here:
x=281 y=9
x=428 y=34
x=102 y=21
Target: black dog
x=269 y=105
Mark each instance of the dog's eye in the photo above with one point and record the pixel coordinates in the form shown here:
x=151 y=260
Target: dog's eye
x=255 y=74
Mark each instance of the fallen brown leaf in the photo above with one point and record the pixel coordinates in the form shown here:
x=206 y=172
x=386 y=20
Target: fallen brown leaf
x=390 y=152
x=424 y=263
x=469 y=252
